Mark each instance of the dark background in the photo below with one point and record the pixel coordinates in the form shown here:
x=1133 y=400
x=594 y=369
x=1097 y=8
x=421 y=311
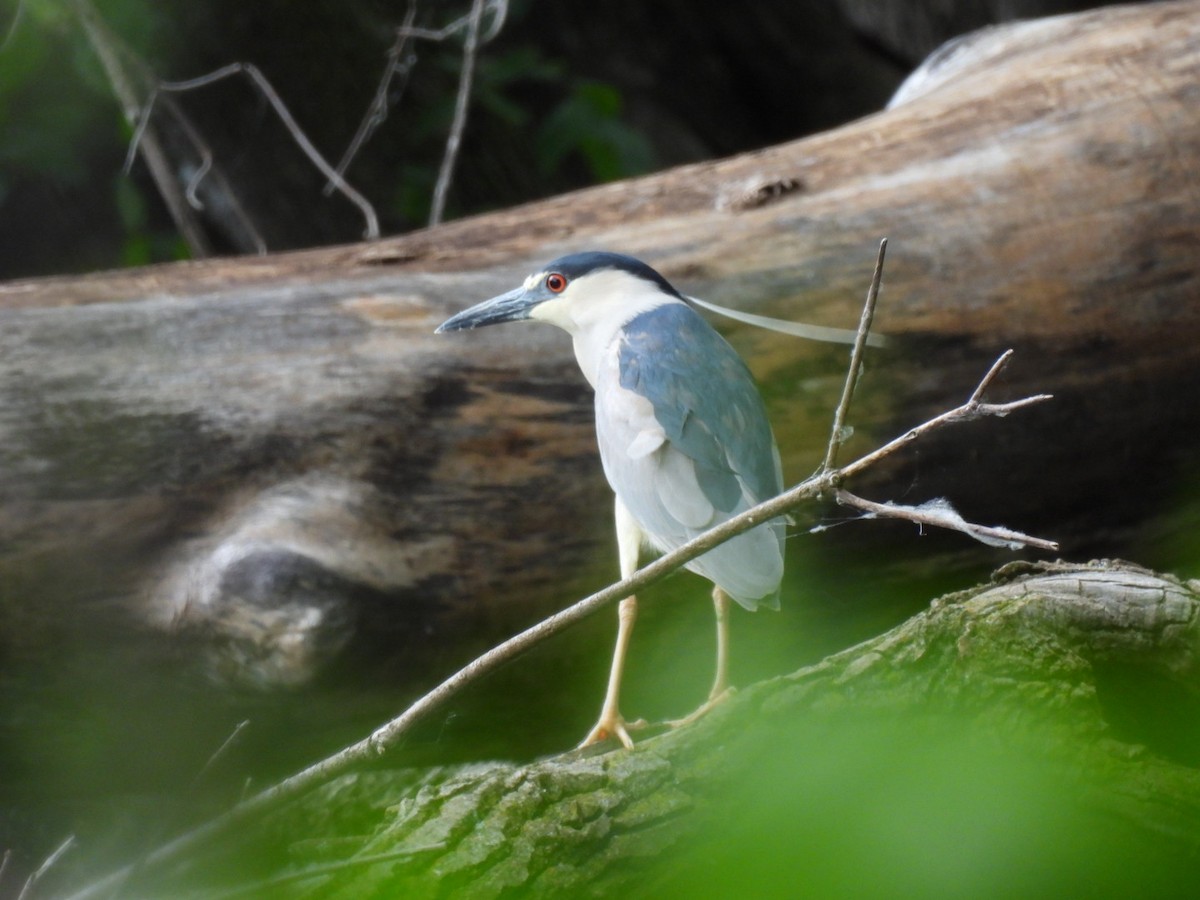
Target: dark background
x=568 y=94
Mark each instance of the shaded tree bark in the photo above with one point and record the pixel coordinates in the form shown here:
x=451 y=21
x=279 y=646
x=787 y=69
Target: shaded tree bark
x=1021 y=668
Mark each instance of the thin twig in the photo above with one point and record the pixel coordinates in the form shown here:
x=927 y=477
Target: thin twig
x=940 y=514
x=238 y=225
x=986 y=381
x=12 y=30
x=289 y=122
x=860 y=343
x=972 y=409
x=499 y=10
x=45 y=867
x=131 y=79
x=399 y=62
x=377 y=110
x=466 y=79
x=123 y=68
x=221 y=751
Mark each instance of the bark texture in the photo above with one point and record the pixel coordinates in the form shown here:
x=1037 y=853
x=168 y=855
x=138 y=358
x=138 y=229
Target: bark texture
x=1021 y=668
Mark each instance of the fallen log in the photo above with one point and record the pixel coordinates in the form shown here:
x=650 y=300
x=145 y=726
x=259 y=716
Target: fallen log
x=277 y=454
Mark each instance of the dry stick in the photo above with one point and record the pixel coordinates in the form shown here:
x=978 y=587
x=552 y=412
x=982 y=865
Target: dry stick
x=123 y=68
x=8 y=36
x=376 y=113
x=234 y=210
x=389 y=734
x=940 y=514
x=377 y=110
x=972 y=409
x=454 y=139
x=221 y=751
x=285 y=116
x=860 y=343
x=110 y=50
x=45 y=867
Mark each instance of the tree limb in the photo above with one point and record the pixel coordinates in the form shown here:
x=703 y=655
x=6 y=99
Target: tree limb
x=1008 y=672
x=462 y=102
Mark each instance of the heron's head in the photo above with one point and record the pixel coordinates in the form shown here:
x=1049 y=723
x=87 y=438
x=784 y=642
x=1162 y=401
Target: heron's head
x=575 y=293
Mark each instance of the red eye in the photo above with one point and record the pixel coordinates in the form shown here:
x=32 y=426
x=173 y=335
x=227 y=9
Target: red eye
x=556 y=283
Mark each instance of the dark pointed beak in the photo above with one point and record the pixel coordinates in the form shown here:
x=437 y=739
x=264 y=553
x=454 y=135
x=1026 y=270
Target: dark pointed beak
x=510 y=307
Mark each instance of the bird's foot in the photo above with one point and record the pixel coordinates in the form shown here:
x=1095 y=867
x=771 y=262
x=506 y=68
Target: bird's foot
x=612 y=725
x=713 y=699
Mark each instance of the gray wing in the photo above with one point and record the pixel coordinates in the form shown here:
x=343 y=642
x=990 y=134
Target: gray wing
x=686 y=444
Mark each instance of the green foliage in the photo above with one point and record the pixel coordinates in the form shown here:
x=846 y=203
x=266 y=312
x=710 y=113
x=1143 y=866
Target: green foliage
x=917 y=807
x=142 y=244
x=501 y=73
x=50 y=120
x=589 y=122
x=55 y=101
x=410 y=195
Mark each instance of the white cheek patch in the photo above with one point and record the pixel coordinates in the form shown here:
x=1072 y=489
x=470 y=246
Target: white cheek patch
x=556 y=312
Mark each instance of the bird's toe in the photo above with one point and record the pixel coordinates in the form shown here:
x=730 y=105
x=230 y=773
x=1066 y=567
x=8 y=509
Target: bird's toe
x=713 y=700
x=612 y=726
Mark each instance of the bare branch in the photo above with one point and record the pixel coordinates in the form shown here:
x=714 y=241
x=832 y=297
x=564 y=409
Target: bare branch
x=400 y=63
x=397 y=62
x=237 y=223
x=987 y=379
x=941 y=514
x=499 y=10
x=128 y=75
x=8 y=36
x=221 y=751
x=454 y=139
x=285 y=116
x=860 y=343
x=972 y=409
x=45 y=867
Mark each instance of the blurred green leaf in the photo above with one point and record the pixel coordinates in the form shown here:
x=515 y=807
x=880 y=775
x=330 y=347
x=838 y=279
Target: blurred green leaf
x=131 y=206
x=136 y=251
x=588 y=124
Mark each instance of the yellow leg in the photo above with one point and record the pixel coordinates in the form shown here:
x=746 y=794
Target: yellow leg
x=721 y=680
x=720 y=689
x=611 y=722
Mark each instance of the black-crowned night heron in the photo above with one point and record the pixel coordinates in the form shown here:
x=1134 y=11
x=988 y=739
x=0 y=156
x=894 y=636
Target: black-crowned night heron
x=683 y=433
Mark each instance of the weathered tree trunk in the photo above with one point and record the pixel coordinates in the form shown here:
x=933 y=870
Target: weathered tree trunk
x=1006 y=688
x=279 y=453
